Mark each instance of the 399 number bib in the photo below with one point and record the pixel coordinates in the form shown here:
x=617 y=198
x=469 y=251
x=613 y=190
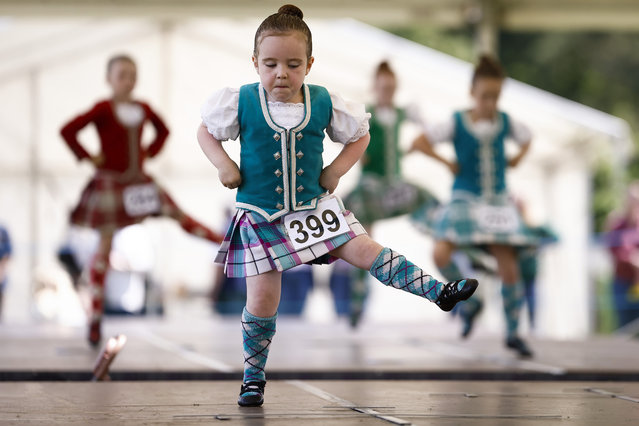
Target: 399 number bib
x=314 y=226
x=497 y=218
x=141 y=199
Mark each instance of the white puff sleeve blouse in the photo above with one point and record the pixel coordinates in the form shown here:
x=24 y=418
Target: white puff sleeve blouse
x=219 y=114
x=349 y=120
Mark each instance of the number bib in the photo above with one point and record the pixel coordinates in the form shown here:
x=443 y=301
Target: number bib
x=398 y=196
x=314 y=226
x=497 y=218
x=141 y=200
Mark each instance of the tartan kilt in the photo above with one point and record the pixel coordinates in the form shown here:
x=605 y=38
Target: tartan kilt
x=253 y=245
x=460 y=223
x=377 y=198
x=102 y=206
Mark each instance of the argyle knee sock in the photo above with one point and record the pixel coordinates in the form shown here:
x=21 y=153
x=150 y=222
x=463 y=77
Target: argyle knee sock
x=393 y=269
x=97 y=275
x=194 y=227
x=513 y=297
x=468 y=311
x=358 y=293
x=257 y=334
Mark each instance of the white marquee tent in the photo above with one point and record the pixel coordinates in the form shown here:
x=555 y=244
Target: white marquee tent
x=52 y=69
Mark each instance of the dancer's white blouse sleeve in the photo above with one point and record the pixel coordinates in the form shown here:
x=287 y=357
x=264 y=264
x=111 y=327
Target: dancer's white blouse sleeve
x=414 y=115
x=519 y=132
x=349 y=121
x=219 y=114
x=441 y=132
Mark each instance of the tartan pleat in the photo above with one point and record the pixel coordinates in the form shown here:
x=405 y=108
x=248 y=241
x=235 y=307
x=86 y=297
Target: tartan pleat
x=253 y=245
x=375 y=198
x=101 y=202
x=457 y=222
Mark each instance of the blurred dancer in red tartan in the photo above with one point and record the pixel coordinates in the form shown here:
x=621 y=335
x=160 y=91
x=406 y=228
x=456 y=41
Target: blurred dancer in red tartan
x=120 y=193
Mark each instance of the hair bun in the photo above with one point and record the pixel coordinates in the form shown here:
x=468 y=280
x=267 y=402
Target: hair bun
x=488 y=66
x=290 y=9
x=383 y=66
x=486 y=60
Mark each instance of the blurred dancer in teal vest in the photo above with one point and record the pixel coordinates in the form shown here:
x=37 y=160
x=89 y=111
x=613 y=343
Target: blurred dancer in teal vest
x=381 y=192
x=480 y=212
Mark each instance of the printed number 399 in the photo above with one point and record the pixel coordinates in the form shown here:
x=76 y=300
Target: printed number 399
x=315 y=226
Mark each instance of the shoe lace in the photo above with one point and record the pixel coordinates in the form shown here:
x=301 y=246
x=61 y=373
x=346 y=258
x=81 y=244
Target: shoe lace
x=449 y=289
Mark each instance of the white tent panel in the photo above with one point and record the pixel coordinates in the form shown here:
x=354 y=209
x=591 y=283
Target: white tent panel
x=15 y=128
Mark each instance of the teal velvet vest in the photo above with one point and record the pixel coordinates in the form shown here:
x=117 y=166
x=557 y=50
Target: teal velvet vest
x=383 y=154
x=482 y=163
x=281 y=168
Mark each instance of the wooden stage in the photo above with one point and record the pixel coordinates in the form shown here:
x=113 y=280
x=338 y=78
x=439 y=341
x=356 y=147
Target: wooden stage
x=189 y=371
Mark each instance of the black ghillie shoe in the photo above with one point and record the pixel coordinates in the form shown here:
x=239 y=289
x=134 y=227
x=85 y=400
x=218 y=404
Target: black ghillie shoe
x=252 y=394
x=468 y=315
x=451 y=294
x=519 y=346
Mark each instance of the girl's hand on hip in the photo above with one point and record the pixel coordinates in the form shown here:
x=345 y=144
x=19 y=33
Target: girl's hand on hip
x=230 y=175
x=97 y=160
x=514 y=162
x=453 y=167
x=328 y=179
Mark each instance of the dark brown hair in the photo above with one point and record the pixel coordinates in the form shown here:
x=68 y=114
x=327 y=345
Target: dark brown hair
x=288 y=18
x=384 y=68
x=118 y=58
x=488 y=67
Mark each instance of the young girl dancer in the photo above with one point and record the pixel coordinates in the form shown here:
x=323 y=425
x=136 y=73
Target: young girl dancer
x=286 y=213
x=480 y=212
x=120 y=193
x=381 y=192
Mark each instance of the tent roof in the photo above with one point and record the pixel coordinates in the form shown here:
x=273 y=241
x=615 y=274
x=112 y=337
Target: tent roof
x=514 y=14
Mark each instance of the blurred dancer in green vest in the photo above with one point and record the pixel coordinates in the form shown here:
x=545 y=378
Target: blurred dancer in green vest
x=381 y=192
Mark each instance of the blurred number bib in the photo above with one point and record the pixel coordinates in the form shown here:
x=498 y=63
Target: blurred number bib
x=141 y=200
x=498 y=219
x=314 y=226
x=398 y=196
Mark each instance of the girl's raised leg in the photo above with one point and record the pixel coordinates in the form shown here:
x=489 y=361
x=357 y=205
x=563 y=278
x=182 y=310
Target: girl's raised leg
x=98 y=268
x=194 y=227
x=445 y=261
x=512 y=292
x=443 y=257
x=393 y=269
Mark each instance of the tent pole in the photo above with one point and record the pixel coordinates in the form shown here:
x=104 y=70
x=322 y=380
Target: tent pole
x=487 y=28
x=34 y=175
